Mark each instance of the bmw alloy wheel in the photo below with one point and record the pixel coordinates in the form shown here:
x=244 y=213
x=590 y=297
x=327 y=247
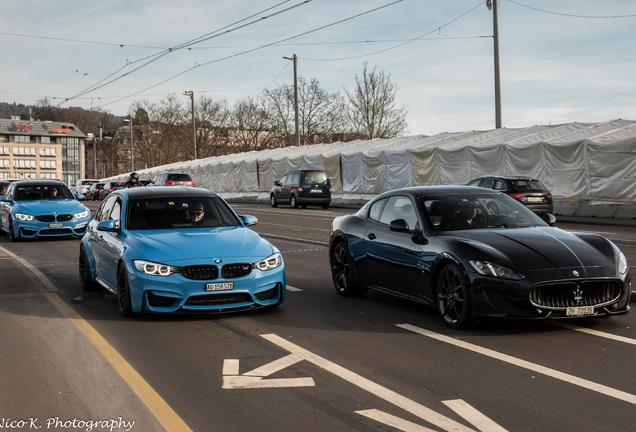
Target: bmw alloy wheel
x=123 y=292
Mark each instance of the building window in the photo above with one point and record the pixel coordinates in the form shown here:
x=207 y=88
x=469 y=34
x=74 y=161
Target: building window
x=4 y=151
x=4 y=163
x=24 y=151
x=21 y=138
x=45 y=140
x=48 y=164
x=24 y=164
x=47 y=152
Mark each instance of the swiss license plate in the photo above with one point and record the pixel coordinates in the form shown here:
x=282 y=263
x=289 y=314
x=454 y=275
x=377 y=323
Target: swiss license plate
x=219 y=286
x=316 y=191
x=579 y=311
x=56 y=225
x=535 y=199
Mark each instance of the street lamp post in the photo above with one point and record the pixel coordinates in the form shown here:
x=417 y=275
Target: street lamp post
x=132 y=148
x=194 y=128
x=295 y=60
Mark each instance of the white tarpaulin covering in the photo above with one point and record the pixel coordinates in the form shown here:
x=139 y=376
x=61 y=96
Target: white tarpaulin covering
x=580 y=161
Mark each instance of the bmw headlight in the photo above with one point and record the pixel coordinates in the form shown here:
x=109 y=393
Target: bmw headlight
x=271 y=262
x=622 y=264
x=82 y=215
x=490 y=269
x=24 y=217
x=154 y=269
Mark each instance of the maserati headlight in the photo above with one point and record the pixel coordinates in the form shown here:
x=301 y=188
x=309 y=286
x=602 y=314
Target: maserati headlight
x=490 y=269
x=154 y=269
x=271 y=262
x=82 y=215
x=24 y=217
x=622 y=264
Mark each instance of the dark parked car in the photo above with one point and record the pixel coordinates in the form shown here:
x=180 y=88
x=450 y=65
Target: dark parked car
x=526 y=190
x=448 y=248
x=93 y=191
x=301 y=188
x=110 y=187
x=172 y=178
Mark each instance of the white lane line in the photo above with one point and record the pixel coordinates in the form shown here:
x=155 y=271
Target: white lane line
x=475 y=418
x=596 y=333
x=390 y=396
x=294 y=289
x=393 y=421
x=571 y=379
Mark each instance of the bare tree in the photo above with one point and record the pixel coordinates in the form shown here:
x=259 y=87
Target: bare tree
x=372 y=109
x=250 y=126
x=212 y=119
x=319 y=112
x=160 y=133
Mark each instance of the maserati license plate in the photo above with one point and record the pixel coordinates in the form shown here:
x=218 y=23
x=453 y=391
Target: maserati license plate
x=219 y=286
x=579 y=311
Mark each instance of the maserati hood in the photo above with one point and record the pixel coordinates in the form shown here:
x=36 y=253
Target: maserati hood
x=539 y=248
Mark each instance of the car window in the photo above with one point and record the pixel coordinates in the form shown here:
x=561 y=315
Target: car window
x=293 y=179
x=474 y=182
x=283 y=180
x=499 y=185
x=488 y=183
x=527 y=185
x=35 y=192
x=105 y=209
x=179 y=177
x=315 y=178
x=376 y=209
x=171 y=213
x=399 y=207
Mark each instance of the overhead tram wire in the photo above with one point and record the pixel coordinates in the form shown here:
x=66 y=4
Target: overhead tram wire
x=407 y=41
x=259 y=48
x=195 y=41
x=573 y=15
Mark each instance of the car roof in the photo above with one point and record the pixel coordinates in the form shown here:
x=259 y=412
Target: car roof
x=39 y=181
x=509 y=177
x=418 y=191
x=165 y=192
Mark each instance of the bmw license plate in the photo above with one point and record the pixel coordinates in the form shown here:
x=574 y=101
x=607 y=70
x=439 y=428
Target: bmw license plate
x=579 y=311
x=219 y=286
x=56 y=225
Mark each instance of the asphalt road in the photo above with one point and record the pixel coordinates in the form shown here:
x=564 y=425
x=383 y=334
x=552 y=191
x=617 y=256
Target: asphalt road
x=319 y=362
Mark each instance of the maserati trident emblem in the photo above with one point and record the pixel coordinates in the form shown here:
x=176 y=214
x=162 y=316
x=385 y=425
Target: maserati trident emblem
x=217 y=260
x=575 y=273
x=578 y=295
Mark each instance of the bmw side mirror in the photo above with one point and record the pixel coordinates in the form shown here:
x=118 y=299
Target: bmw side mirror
x=5 y=199
x=249 y=220
x=107 y=225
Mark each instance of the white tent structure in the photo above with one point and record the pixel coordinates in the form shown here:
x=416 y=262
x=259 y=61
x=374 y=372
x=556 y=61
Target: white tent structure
x=590 y=168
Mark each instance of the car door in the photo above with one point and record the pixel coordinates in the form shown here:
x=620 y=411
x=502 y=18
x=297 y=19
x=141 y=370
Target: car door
x=394 y=258
x=278 y=190
x=107 y=246
x=5 y=208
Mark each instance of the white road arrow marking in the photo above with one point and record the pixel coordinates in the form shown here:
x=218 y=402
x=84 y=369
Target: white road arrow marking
x=254 y=378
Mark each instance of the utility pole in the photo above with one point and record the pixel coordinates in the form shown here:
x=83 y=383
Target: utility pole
x=497 y=77
x=295 y=60
x=194 y=128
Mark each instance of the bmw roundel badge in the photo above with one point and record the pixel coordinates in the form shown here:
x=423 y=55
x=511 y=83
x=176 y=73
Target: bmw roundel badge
x=575 y=273
x=218 y=261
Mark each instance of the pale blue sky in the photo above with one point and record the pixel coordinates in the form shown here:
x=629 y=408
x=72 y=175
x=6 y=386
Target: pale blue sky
x=565 y=61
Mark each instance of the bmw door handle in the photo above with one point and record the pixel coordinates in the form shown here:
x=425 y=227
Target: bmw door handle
x=371 y=236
